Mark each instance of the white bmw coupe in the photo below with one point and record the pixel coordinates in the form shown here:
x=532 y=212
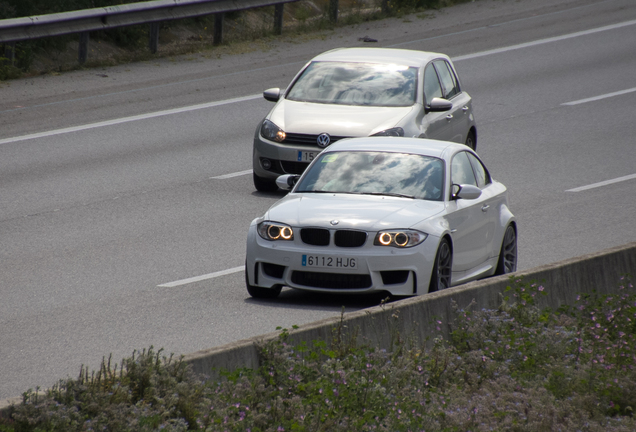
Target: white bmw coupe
x=405 y=216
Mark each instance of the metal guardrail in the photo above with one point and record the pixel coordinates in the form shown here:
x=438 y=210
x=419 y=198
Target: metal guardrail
x=149 y=12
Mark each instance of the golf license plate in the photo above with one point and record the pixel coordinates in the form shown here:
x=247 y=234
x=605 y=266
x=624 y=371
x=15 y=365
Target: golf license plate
x=307 y=156
x=326 y=261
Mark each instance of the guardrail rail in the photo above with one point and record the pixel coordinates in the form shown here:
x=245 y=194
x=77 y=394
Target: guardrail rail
x=150 y=12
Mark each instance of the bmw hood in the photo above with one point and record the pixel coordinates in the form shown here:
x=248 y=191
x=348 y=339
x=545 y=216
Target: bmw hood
x=362 y=212
x=336 y=120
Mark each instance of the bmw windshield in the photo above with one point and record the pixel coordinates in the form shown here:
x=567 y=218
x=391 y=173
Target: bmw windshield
x=361 y=84
x=375 y=173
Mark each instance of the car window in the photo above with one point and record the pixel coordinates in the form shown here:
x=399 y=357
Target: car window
x=483 y=177
x=462 y=170
x=432 y=87
x=447 y=77
x=367 y=84
x=383 y=173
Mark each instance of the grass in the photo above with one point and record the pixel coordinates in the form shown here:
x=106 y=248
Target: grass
x=518 y=368
x=244 y=31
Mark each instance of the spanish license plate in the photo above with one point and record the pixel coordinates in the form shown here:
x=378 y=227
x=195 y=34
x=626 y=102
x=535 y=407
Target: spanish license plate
x=307 y=156
x=325 y=261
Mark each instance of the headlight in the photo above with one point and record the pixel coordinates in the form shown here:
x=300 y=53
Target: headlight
x=275 y=231
x=272 y=132
x=399 y=238
x=396 y=131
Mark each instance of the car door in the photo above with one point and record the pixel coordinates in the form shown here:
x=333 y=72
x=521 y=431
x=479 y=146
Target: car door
x=492 y=199
x=459 y=114
x=435 y=125
x=470 y=221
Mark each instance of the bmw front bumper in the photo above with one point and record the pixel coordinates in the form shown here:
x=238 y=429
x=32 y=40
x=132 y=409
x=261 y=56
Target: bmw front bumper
x=401 y=272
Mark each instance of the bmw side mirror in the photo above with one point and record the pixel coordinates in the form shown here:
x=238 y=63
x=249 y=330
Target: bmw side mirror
x=466 y=191
x=272 y=94
x=287 y=181
x=439 y=105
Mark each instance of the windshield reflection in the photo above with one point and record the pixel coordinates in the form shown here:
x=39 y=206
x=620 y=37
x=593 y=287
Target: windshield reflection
x=363 y=84
x=382 y=173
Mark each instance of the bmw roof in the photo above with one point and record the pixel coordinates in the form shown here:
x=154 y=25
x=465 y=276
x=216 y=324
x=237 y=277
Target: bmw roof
x=421 y=146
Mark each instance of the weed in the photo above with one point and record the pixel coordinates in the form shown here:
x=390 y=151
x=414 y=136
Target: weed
x=517 y=368
x=243 y=31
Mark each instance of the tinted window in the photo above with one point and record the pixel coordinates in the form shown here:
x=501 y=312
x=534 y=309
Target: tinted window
x=356 y=84
x=448 y=78
x=483 y=178
x=375 y=173
x=462 y=170
x=432 y=87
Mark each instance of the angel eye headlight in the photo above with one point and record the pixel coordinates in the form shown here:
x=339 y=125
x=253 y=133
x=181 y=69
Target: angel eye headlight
x=272 y=132
x=275 y=231
x=384 y=239
x=399 y=238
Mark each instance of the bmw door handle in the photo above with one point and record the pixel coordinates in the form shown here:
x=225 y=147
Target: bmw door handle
x=485 y=208
x=465 y=109
x=449 y=117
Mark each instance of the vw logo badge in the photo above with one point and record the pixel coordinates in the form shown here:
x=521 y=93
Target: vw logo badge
x=334 y=222
x=323 y=140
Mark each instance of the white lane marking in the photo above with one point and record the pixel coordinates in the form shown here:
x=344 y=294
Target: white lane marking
x=514 y=21
x=544 y=41
x=202 y=277
x=141 y=89
x=235 y=174
x=604 y=96
x=603 y=183
x=130 y=119
x=511 y=48
x=252 y=97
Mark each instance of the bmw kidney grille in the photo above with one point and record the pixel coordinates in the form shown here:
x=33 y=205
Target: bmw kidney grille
x=341 y=238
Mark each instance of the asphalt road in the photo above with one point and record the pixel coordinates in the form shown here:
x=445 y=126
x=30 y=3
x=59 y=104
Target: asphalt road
x=126 y=193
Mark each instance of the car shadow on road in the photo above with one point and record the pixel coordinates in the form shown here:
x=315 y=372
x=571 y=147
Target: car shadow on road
x=297 y=299
x=274 y=194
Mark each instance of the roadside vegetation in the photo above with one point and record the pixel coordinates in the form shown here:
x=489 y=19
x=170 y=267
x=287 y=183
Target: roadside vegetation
x=243 y=31
x=517 y=368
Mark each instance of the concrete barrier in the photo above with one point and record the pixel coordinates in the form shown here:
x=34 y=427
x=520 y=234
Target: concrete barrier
x=563 y=281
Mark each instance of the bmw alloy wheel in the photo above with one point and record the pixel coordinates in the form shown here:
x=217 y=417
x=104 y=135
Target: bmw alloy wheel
x=259 y=292
x=508 y=254
x=441 y=277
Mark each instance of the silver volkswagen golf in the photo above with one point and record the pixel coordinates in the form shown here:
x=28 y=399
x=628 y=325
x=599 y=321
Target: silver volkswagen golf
x=357 y=92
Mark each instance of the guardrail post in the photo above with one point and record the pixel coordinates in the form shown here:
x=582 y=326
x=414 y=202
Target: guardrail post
x=9 y=54
x=83 y=47
x=333 y=10
x=154 y=37
x=278 y=18
x=384 y=6
x=217 y=38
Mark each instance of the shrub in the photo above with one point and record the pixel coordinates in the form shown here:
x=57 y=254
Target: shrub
x=518 y=368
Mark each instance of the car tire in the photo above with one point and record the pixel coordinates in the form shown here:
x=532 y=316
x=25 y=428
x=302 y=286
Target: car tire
x=442 y=267
x=471 y=140
x=259 y=292
x=264 y=185
x=507 y=262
